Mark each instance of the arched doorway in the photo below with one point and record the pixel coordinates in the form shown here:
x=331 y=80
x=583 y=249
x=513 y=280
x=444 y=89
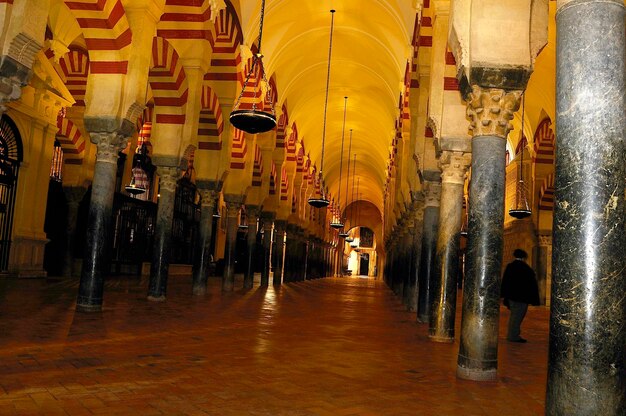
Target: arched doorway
x=11 y=155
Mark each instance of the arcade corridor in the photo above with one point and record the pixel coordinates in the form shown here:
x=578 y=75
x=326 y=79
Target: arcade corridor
x=323 y=347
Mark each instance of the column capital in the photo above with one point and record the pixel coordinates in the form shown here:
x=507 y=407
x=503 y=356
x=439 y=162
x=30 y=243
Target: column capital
x=108 y=145
x=253 y=211
x=168 y=176
x=208 y=197
x=280 y=226
x=432 y=194
x=454 y=166
x=491 y=110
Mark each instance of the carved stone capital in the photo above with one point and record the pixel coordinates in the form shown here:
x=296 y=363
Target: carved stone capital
x=253 y=212
x=491 y=110
x=454 y=166
x=108 y=145
x=280 y=226
x=168 y=176
x=432 y=194
x=208 y=197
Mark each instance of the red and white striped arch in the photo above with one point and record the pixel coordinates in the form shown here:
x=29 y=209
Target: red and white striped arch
x=211 y=123
x=168 y=83
x=284 y=185
x=281 y=126
x=144 y=126
x=226 y=56
x=105 y=29
x=544 y=143
x=292 y=140
x=546 y=194
x=72 y=141
x=73 y=68
x=194 y=15
x=257 y=171
x=238 y=151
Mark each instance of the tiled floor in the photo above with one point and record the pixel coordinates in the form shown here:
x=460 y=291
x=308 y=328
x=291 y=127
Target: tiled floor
x=325 y=347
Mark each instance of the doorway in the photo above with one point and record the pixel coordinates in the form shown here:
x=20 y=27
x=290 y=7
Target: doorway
x=364 y=264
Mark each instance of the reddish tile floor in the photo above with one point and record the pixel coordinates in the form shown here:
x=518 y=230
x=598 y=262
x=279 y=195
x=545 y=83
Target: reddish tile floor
x=325 y=347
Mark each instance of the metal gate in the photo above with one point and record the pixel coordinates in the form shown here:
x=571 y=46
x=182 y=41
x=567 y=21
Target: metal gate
x=10 y=158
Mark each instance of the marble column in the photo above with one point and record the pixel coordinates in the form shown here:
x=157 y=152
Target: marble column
x=409 y=235
x=291 y=253
x=74 y=195
x=161 y=246
x=307 y=255
x=586 y=370
x=429 y=245
x=252 y=212
x=280 y=227
x=490 y=110
x=417 y=216
x=203 y=242
x=98 y=236
x=267 y=218
x=445 y=273
x=233 y=205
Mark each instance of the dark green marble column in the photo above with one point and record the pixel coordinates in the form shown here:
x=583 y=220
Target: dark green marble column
x=586 y=371
x=252 y=214
x=161 y=247
x=204 y=236
x=429 y=245
x=233 y=206
x=280 y=227
x=490 y=110
x=445 y=273
x=91 y=288
x=417 y=216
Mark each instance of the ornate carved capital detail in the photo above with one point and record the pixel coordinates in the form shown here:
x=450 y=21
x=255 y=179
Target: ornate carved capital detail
x=108 y=145
x=168 y=175
x=232 y=209
x=253 y=212
x=491 y=110
x=208 y=197
x=280 y=226
x=454 y=166
x=432 y=194
x=545 y=240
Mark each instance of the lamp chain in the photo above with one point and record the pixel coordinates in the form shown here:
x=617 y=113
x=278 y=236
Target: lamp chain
x=330 y=51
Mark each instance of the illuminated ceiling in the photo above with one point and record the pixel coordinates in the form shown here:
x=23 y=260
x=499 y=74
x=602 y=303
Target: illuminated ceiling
x=370 y=53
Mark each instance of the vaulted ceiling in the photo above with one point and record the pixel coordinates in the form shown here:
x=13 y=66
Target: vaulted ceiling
x=371 y=48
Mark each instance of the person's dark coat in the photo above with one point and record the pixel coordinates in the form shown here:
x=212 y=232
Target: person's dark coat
x=519 y=283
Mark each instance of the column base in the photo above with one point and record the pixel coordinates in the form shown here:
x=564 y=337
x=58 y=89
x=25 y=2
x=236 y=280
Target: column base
x=423 y=319
x=88 y=308
x=199 y=291
x=160 y=298
x=475 y=374
x=442 y=339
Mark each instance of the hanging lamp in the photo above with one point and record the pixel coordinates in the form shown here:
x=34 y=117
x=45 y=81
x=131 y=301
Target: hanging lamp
x=521 y=209
x=133 y=188
x=349 y=238
x=354 y=243
x=255 y=120
x=322 y=201
x=343 y=233
x=336 y=222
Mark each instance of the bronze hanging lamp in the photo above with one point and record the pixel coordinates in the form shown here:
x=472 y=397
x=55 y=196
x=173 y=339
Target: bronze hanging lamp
x=343 y=233
x=465 y=217
x=521 y=209
x=322 y=201
x=255 y=120
x=134 y=188
x=336 y=223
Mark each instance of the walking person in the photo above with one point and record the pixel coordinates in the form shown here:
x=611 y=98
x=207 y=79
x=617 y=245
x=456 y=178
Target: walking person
x=519 y=289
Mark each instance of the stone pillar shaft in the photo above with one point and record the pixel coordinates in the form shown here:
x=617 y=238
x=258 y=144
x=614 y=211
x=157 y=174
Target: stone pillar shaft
x=279 y=251
x=268 y=225
x=490 y=110
x=232 y=214
x=205 y=234
x=161 y=247
x=429 y=245
x=91 y=286
x=252 y=215
x=586 y=370
x=454 y=167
